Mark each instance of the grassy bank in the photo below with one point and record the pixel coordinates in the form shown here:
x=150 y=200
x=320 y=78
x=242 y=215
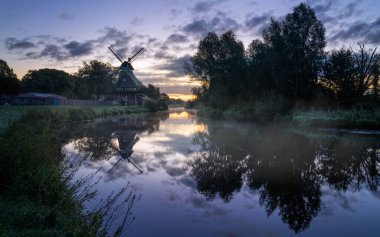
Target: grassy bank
x=273 y=112
x=10 y=114
x=36 y=197
x=353 y=118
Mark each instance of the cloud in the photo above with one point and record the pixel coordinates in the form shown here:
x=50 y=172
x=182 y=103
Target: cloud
x=362 y=31
x=175 y=12
x=175 y=65
x=137 y=21
x=117 y=37
x=205 y=6
x=51 y=51
x=219 y=23
x=177 y=38
x=257 y=20
x=66 y=16
x=322 y=8
x=15 y=44
x=350 y=10
x=78 y=49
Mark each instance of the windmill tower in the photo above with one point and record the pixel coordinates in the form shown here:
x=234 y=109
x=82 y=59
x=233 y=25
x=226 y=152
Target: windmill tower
x=128 y=85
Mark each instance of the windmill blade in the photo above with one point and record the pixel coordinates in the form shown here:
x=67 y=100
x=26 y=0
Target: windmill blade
x=118 y=56
x=129 y=59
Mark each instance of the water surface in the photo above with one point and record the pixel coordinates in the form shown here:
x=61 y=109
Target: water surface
x=184 y=176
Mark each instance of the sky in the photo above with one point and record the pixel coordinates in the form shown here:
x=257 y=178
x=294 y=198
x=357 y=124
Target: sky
x=58 y=34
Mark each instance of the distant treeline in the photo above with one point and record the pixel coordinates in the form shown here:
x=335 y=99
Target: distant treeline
x=93 y=80
x=289 y=63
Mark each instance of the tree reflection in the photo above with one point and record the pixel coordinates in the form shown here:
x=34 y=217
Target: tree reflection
x=287 y=169
x=350 y=165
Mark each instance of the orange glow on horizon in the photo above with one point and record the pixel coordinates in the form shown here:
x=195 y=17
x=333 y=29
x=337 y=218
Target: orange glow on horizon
x=185 y=97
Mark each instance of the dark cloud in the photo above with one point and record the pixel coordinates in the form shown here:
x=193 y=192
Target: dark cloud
x=114 y=36
x=66 y=16
x=137 y=21
x=15 y=44
x=53 y=52
x=257 y=20
x=175 y=12
x=361 y=31
x=350 y=10
x=162 y=54
x=322 y=8
x=177 y=38
x=175 y=65
x=78 y=49
x=220 y=24
x=205 y=6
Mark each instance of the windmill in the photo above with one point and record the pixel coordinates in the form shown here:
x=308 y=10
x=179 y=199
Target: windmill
x=128 y=85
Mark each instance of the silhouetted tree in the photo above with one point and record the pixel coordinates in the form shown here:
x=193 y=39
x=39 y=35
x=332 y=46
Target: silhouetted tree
x=349 y=75
x=9 y=84
x=219 y=66
x=151 y=91
x=97 y=76
x=296 y=47
x=259 y=80
x=48 y=81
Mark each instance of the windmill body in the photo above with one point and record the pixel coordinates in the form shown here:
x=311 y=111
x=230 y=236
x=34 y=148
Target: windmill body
x=127 y=85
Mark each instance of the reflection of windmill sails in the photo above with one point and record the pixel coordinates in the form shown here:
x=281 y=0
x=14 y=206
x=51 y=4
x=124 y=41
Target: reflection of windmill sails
x=125 y=142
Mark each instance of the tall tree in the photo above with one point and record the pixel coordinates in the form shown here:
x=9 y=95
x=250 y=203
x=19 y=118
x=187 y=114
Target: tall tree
x=259 y=80
x=9 y=84
x=219 y=67
x=97 y=76
x=296 y=45
x=48 y=81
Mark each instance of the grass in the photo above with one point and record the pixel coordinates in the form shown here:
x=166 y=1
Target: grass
x=274 y=111
x=352 y=118
x=10 y=114
x=36 y=196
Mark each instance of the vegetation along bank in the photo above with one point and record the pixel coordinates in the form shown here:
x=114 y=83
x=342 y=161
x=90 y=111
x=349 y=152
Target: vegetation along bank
x=36 y=195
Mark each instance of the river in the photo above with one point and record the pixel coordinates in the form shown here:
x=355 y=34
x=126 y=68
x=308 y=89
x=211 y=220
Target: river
x=174 y=174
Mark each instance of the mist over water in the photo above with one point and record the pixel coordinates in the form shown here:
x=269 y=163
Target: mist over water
x=186 y=176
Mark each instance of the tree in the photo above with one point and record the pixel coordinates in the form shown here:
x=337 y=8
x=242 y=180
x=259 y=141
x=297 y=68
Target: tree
x=48 y=81
x=305 y=40
x=219 y=67
x=9 y=84
x=296 y=47
x=97 y=76
x=259 y=80
x=349 y=75
x=151 y=91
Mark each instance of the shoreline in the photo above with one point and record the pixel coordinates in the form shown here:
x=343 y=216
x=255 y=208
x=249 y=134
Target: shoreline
x=33 y=181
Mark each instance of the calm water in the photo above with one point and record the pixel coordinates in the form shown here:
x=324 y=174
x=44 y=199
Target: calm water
x=178 y=175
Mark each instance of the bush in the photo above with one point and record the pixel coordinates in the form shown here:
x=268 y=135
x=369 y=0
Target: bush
x=155 y=105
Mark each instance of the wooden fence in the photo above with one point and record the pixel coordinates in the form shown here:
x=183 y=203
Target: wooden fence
x=85 y=102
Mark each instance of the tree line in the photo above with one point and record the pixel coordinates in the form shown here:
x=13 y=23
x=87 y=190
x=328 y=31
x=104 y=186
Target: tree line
x=289 y=63
x=93 y=80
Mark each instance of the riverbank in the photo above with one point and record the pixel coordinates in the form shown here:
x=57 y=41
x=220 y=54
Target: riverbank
x=338 y=118
x=10 y=114
x=36 y=196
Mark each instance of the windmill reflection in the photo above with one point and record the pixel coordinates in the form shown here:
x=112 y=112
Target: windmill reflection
x=114 y=138
x=123 y=146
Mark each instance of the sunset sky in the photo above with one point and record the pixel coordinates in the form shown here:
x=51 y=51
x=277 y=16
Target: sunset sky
x=61 y=34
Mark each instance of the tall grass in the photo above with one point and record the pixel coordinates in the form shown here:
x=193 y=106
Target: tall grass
x=36 y=196
x=349 y=118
